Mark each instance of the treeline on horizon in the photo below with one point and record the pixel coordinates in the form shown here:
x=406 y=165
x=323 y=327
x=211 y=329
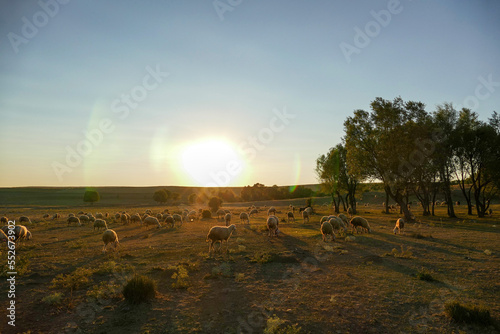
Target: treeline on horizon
x=417 y=153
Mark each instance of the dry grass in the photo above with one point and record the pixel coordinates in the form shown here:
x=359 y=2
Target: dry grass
x=293 y=283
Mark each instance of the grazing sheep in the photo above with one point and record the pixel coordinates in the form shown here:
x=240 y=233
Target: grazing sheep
x=272 y=225
x=109 y=237
x=75 y=220
x=99 y=215
x=159 y=216
x=177 y=218
x=83 y=219
x=244 y=217
x=227 y=219
x=219 y=234
x=71 y=215
x=360 y=222
x=80 y=213
x=324 y=219
x=24 y=219
x=349 y=212
x=100 y=223
x=344 y=218
x=169 y=220
x=91 y=217
x=253 y=212
x=305 y=216
x=290 y=216
x=271 y=211
x=192 y=216
x=20 y=232
x=46 y=216
x=151 y=221
x=327 y=229
x=309 y=210
x=3 y=236
x=118 y=216
x=136 y=218
x=29 y=235
x=400 y=225
x=125 y=218
x=220 y=214
x=337 y=224
x=56 y=216
x=4 y=220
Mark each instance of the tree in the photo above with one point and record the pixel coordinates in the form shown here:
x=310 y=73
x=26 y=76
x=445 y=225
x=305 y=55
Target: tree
x=161 y=196
x=91 y=196
x=214 y=203
x=192 y=198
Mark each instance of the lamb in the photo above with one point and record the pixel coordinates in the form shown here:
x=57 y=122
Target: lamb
x=400 y=224
x=272 y=225
x=177 y=218
x=305 y=216
x=24 y=219
x=271 y=211
x=360 y=222
x=221 y=234
x=109 y=237
x=227 y=219
x=244 y=217
x=100 y=223
x=253 y=212
x=74 y=220
x=327 y=229
x=151 y=221
x=290 y=216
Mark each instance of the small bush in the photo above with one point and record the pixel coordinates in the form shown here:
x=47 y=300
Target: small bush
x=181 y=278
x=139 y=289
x=404 y=254
x=425 y=276
x=274 y=325
x=53 y=299
x=206 y=214
x=104 y=290
x=262 y=257
x=76 y=280
x=468 y=314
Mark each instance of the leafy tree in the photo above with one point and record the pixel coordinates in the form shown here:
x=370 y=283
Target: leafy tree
x=192 y=198
x=91 y=196
x=214 y=203
x=161 y=196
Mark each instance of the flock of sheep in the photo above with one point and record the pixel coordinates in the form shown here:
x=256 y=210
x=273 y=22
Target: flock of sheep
x=329 y=225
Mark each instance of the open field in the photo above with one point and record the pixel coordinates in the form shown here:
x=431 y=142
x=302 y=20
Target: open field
x=366 y=285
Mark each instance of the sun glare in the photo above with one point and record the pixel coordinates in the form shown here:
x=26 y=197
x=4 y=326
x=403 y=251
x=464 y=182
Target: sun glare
x=212 y=163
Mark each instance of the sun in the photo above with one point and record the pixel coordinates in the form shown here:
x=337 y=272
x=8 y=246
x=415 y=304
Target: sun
x=212 y=162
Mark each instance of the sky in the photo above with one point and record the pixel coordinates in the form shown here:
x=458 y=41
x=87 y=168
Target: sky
x=224 y=92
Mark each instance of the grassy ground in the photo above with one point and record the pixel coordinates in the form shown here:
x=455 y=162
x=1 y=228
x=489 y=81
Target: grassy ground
x=65 y=284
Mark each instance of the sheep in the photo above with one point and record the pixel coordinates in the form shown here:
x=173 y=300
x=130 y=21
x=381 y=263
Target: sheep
x=400 y=224
x=83 y=219
x=3 y=236
x=327 y=229
x=56 y=216
x=177 y=218
x=160 y=217
x=170 y=221
x=80 y=213
x=71 y=215
x=292 y=208
x=24 y=219
x=271 y=211
x=136 y=218
x=272 y=225
x=151 y=221
x=309 y=210
x=344 y=218
x=253 y=212
x=46 y=216
x=125 y=218
x=337 y=224
x=244 y=217
x=4 y=220
x=349 y=212
x=192 y=216
x=100 y=223
x=74 y=220
x=305 y=216
x=227 y=219
x=91 y=217
x=221 y=234
x=109 y=237
x=28 y=235
x=118 y=216
x=324 y=219
x=360 y=222
x=19 y=233
x=220 y=214
x=290 y=216
x=99 y=215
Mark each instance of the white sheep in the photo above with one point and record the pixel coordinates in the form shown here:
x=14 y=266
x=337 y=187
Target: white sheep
x=327 y=229
x=271 y=211
x=244 y=217
x=305 y=216
x=272 y=225
x=219 y=234
x=100 y=223
x=125 y=218
x=177 y=218
x=309 y=210
x=151 y=221
x=109 y=237
x=227 y=219
x=24 y=219
x=360 y=222
x=136 y=218
x=253 y=212
x=337 y=224
x=290 y=216
x=20 y=232
x=400 y=225
x=75 y=220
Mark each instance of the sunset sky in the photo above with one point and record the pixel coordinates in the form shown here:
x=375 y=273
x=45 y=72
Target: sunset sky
x=131 y=93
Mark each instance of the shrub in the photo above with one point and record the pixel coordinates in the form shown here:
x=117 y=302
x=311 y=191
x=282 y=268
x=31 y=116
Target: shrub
x=468 y=314
x=206 y=214
x=423 y=275
x=139 y=289
x=181 y=277
x=53 y=299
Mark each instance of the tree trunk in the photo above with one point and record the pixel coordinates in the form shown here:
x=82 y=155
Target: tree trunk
x=335 y=205
x=398 y=198
x=445 y=176
x=386 y=202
